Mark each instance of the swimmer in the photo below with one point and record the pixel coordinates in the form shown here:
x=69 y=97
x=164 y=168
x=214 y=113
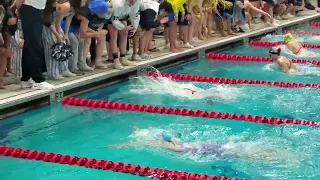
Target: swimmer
x=244 y=150
x=191 y=91
x=294 y=46
x=160 y=133
x=284 y=63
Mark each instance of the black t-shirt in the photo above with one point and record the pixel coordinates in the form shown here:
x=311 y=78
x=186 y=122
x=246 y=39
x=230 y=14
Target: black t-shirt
x=94 y=21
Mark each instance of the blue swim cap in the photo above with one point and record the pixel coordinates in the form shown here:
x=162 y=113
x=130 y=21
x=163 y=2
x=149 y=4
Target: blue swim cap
x=166 y=136
x=98 y=7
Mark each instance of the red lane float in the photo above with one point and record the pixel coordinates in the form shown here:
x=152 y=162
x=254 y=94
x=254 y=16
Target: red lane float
x=182 y=112
x=188 y=77
x=234 y=57
x=315 y=24
x=271 y=44
x=302 y=32
x=121 y=167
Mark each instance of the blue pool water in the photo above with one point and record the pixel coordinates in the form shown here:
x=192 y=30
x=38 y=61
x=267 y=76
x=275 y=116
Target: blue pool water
x=82 y=131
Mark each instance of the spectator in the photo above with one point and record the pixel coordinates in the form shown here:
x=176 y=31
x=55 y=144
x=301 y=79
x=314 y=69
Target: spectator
x=33 y=63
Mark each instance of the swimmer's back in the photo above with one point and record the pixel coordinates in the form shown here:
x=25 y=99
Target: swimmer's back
x=203 y=148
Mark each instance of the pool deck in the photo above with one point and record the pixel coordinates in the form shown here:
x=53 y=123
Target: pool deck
x=13 y=99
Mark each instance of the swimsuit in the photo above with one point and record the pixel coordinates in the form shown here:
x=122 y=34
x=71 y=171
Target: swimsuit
x=299 y=51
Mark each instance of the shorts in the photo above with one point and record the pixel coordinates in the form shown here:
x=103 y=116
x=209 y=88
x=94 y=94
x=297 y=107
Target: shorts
x=147 y=19
x=293 y=2
x=184 y=22
x=72 y=29
x=298 y=3
x=269 y=2
x=171 y=17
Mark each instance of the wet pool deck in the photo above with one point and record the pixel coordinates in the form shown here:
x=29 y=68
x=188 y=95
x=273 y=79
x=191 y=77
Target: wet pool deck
x=13 y=98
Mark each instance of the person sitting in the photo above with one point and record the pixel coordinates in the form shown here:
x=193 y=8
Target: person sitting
x=284 y=63
x=294 y=46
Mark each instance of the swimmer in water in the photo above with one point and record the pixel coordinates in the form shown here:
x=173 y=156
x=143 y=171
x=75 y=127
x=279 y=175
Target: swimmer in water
x=245 y=150
x=160 y=133
x=284 y=63
x=294 y=46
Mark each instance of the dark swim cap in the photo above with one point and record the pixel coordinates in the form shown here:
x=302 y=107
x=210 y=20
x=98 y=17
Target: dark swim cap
x=275 y=50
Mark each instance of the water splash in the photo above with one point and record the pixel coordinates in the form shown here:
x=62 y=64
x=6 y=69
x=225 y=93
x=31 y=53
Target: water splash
x=302 y=69
x=162 y=85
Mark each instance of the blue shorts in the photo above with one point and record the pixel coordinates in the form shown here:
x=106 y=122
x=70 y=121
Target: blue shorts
x=171 y=18
x=298 y=3
x=72 y=29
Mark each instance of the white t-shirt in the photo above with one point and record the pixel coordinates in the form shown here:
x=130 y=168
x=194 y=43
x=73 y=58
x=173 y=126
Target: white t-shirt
x=150 y=4
x=38 y=4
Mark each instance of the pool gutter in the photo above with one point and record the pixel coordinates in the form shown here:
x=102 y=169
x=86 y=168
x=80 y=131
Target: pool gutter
x=34 y=99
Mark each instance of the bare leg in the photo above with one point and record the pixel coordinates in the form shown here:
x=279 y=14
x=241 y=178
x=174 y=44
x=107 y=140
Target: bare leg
x=3 y=65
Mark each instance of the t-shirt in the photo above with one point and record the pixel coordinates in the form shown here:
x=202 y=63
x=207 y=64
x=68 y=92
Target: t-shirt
x=94 y=21
x=150 y=4
x=38 y=4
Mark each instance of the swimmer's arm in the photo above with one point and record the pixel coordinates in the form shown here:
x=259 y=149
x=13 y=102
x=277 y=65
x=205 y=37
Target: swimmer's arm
x=132 y=145
x=284 y=67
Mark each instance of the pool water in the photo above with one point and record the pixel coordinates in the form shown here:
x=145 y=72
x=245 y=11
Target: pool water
x=81 y=131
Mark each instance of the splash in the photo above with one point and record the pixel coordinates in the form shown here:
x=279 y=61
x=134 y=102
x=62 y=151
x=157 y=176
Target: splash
x=162 y=85
x=305 y=53
x=302 y=69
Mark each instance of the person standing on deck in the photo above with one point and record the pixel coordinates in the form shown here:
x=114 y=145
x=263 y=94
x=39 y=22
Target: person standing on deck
x=33 y=63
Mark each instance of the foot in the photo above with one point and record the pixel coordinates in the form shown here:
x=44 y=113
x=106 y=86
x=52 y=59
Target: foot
x=58 y=78
x=27 y=84
x=136 y=57
x=8 y=74
x=1 y=85
x=42 y=86
x=167 y=46
x=318 y=9
x=118 y=65
x=68 y=74
x=124 y=61
x=175 y=50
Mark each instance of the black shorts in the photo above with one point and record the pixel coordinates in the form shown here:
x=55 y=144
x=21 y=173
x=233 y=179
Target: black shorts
x=184 y=22
x=148 y=19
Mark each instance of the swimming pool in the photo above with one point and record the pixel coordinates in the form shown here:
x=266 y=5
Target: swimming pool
x=81 y=131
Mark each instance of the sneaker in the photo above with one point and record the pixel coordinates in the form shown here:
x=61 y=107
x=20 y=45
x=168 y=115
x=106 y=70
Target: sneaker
x=309 y=6
x=187 y=45
x=58 y=78
x=27 y=84
x=136 y=57
x=278 y=18
x=291 y=15
x=42 y=86
x=68 y=74
x=145 y=56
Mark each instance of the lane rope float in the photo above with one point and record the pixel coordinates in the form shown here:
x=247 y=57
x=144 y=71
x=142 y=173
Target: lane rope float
x=271 y=44
x=234 y=57
x=302 y=32
x=218 y=80
x=315 y=24
x=72 y=101
x=120 y=167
